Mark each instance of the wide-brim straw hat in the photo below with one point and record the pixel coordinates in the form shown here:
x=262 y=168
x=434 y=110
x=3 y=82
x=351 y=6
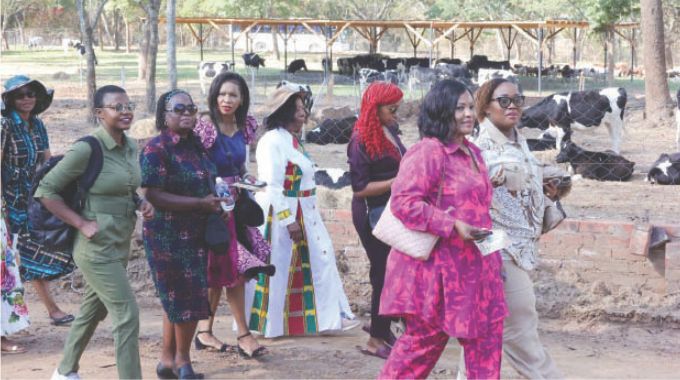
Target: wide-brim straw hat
x=278 y=98
x=43 y=94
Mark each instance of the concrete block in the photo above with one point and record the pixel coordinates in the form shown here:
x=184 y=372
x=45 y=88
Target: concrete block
x=639 y=240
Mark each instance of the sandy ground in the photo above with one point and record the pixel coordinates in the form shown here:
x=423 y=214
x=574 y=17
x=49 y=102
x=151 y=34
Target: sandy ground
x=625 y=334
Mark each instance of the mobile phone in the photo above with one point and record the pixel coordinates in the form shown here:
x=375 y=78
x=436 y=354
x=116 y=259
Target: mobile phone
x=481 y=234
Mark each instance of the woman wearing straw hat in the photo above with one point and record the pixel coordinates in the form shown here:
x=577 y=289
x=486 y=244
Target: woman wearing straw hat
x=305 y=296
x=24 y=147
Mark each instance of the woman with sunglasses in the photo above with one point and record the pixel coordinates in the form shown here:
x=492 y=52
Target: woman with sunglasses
x=25 y=146
x=105 y=227
x=519 y=200
x=226 y=134
x=374 y=153
x=177 y=174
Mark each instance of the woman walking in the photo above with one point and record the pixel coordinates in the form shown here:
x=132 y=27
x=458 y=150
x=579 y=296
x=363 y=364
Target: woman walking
x=105 y=226
x=226 y=135
x=177 y=175
x=305 y=296
x=519 y=201
x=374 y=153
x=25 y=146
x=457 y=292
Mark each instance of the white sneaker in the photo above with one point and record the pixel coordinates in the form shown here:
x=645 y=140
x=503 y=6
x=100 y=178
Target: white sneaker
x=69 y=376
x=348 y=324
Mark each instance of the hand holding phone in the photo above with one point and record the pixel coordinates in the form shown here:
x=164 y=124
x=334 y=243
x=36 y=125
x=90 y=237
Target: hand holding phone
x=481 y=234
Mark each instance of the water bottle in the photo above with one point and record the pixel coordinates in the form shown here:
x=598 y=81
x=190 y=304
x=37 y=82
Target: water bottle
x=222 y=191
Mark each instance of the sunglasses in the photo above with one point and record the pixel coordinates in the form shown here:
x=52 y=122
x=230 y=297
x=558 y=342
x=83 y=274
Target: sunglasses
x=180 y=109
x=130 y=107
x=505 y=101
x=25 y=94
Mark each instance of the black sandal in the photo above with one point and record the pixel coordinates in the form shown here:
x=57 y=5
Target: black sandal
x=253 y=354
x=165 y=373
x=202 y=346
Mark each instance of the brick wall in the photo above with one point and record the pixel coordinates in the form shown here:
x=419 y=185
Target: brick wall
x=616 y=252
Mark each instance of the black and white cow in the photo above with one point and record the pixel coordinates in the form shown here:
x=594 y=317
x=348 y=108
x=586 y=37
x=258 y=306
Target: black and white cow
x=485 y=75
x=579 y=110
x=35 y=42
x=602 y=166
x=545 y=141
x=666 y=170
x=253 y=60
x=368 y=76
x=307 y=98
x=297 y=65
x=332 y=178
x=453 y=71
x=332 y=131
x=423 y=77
x=209 y=70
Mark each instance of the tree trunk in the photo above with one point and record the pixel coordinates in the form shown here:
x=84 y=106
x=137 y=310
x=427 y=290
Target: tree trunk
x=152 y=53
x=171 y=44
x=657 y=98
x=143 y=51
x=116 y=29
x=105 y=23
x=86 y=30
x=127 y=33
x=609 y=40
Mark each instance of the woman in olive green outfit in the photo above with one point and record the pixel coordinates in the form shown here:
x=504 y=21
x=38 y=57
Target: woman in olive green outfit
x=105 y=228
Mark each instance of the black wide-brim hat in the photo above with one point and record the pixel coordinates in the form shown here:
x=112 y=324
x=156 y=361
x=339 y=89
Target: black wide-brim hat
x=43 y=95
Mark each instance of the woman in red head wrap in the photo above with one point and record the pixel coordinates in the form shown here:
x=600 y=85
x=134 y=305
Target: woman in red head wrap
x=374 y=153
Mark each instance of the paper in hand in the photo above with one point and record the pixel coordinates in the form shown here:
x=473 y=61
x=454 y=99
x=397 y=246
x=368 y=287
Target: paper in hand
x=498 y=240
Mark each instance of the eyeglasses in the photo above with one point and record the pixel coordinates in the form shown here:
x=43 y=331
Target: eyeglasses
x=130 y=107
x=504 y=101
x=180 y=109
x=25 y=94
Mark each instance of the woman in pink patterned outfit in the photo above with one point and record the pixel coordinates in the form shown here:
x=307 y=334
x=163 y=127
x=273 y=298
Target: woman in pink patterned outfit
x=457 y=292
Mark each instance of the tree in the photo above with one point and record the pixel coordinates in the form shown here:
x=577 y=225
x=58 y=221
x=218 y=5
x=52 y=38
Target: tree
x=171 y=44
x=657 y=98
x=87 y=26
x=149 y=50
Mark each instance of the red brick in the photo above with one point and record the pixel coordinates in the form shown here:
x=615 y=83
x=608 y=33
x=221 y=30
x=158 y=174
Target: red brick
x=568 y=225
x=594 y=226
x=673 y=255
x=639 y=241
x=621 y=229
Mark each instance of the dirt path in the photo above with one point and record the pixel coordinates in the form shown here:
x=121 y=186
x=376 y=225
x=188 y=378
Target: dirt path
x=581 y=351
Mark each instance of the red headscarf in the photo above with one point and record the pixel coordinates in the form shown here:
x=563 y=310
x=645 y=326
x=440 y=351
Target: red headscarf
x=368 y=126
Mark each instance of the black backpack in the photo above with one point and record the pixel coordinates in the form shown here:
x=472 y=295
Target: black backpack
x=46 y=228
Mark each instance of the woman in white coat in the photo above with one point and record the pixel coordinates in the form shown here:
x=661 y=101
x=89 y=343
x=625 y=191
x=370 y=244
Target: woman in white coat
x=305 y=296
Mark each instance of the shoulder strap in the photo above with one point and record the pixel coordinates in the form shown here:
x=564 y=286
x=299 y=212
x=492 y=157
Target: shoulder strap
x=94 y=167
x=441 y=178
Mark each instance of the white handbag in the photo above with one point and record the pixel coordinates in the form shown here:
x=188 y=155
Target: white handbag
x=392 y=232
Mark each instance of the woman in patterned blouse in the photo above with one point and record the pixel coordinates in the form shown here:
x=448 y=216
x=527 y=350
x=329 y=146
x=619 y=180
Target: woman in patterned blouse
x=25 y=147
x=519 y=201
x=176 y=173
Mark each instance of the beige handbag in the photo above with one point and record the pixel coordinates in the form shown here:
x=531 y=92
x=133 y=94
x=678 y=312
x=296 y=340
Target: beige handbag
x=392 y=232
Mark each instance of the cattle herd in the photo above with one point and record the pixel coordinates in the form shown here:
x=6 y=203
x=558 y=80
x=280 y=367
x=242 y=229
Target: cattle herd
x=557 y=115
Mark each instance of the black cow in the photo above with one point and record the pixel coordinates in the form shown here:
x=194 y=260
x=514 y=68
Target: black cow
x=545 y=141
x=415 y=61
x=453 y=71
x=602 y=166
x=482 y=62
x=253 y=60
x=332 y=178
x=348 y=66
x=451 y=61
x=579 y=110
x=666 y=170
x=332 y=131
x=393 y=63
x=297 y=65
x=80 y=48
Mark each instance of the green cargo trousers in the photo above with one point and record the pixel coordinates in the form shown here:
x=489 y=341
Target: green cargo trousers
x=108 y=291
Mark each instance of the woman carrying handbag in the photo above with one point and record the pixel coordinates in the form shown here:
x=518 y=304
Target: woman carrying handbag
x=457 y=291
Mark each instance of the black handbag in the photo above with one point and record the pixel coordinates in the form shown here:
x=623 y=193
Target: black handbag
x=247 y=211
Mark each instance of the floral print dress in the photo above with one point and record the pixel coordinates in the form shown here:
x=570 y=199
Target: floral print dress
x=14 y=310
